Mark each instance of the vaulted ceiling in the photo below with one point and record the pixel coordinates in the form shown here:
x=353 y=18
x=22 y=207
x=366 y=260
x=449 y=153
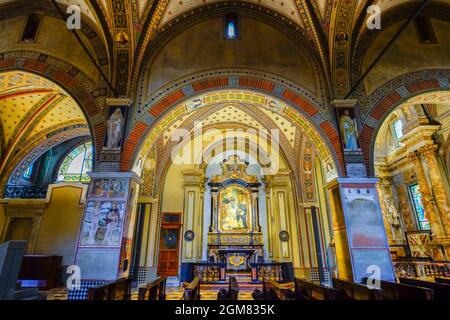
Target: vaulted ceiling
x=34 y=111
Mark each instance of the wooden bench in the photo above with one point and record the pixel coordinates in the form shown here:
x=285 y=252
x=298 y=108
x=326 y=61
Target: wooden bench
x=192 y=290
x=305 y=290
x=232 y=293
x=116 y=290
x=355 y=291
x=273 y=290
x=155 y=290
x=442 y=280
x=400 y=291
x=441 y=290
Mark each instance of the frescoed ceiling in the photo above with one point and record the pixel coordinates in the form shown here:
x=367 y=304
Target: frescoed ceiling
x=32 y=108
x=176 y=8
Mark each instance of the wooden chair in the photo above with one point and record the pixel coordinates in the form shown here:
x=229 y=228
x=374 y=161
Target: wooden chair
x=192 y=290
x=155 y=290
x=115 y=290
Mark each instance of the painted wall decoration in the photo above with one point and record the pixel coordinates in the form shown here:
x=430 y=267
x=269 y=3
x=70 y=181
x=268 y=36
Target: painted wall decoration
x=115 y=126
x=117 y=188
x=418 y=242
x=100 y=188
x=102 y=224
x=234 y=208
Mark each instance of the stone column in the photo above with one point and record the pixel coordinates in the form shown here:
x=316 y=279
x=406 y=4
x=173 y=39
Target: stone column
x=105 y=240
x=429 y=205
x=360 y=236
x=440 y=194
x=193 y=214
x=270 y=218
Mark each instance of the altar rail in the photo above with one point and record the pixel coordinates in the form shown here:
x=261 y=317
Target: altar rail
x=210 y=272
x=276 y=271
x=422 y=269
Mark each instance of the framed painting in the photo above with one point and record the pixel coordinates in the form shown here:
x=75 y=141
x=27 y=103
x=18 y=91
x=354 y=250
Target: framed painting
x=234 y=209
x=418 y=243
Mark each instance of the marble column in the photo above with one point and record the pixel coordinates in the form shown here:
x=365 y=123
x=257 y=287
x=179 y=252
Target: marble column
x=431 y=212
x=438 y=187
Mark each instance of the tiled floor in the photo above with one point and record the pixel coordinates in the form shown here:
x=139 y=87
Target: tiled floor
x=207 y=292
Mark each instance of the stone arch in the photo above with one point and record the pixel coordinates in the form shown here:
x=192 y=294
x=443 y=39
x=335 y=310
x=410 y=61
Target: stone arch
x=89 y=96
x=376 y=107
x=305 y=103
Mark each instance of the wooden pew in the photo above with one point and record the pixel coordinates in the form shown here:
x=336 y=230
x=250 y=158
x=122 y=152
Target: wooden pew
x=355 y=291
x=192 y=290
x=305 y=290
x=232 y=293
x=272 y=290
x=400 y=291
x=442 y=280
x=155 y=290
x=115 y=290
x=441 y=290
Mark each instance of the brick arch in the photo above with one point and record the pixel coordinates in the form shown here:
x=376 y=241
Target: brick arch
x=376 y=107
x=88 y=95
x=167 y=98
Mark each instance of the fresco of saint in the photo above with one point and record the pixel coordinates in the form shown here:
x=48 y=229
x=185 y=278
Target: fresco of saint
x=234 y=209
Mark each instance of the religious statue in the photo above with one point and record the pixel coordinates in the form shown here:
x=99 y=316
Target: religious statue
x=349 y=131
x=114 y=129
x=392 y=213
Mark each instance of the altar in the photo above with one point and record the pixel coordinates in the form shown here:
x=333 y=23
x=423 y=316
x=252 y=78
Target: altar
x=235 y=236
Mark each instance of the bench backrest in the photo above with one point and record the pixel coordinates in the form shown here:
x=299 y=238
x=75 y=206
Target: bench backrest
x=442 y=280
x=355 y=291
x=275 y=291
x=233 y=289
x=155 y=290
x=441 y=290
x=192 y=291
x=305 y=290
x=115 y=290
x=400 y=291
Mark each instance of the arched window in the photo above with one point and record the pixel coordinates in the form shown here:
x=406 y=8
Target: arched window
x=77 y=164
x=398 y=129
x=31 y=29
x=416 y=197
x=231 y=27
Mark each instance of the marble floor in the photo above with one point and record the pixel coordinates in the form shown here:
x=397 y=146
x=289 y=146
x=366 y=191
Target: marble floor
x=207 y=292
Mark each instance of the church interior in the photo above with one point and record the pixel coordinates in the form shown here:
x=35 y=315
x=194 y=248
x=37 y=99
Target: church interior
x=224 y=150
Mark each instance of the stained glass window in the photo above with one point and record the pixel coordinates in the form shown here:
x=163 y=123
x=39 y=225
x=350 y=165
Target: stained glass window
x=418 y=207
x=77 y=164
x=231 y=27
x=398 y=129
x=27 y=174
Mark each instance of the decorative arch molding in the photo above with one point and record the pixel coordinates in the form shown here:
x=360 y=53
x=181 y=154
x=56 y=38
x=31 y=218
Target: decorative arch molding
x=46 y=141
x=393 y=15
x=89 y=96
x=376 y=107
x=159 y=105
x=154 y=39
x=88 y=28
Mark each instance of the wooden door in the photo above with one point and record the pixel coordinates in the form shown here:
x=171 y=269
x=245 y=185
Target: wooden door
x=169 y=244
